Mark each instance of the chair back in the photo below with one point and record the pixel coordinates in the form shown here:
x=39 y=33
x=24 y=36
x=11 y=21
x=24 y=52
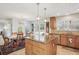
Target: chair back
x=14 y=35
x=1 y=40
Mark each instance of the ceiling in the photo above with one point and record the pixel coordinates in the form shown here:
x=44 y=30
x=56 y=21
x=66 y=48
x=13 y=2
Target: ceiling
x=29 y=10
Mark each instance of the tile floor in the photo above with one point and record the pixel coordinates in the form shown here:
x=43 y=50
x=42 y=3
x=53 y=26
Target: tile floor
x=60 y=51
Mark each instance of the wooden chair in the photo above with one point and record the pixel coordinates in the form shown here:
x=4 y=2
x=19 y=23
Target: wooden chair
x=1 y=44
x=20 y=35
x=14 y=35
x=6 y=46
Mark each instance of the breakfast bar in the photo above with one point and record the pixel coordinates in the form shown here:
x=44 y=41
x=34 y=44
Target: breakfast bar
x=34 y=47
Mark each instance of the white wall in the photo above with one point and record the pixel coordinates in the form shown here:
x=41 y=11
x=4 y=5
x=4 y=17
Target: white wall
x=15 y=22
x=1 y=26
x=5 y=25
x=28 y=26
x=15 y=25
x=74 y=18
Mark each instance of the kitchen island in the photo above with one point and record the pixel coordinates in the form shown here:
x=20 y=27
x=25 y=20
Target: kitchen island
x=35 y=47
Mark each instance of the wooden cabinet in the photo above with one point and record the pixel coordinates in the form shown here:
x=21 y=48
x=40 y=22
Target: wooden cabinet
x=33 y=47
x=20 y=35
x=58 y=38
x=70 y=40
x=77 y=42
x=54 y=43
x=63 y=39
x=53 y=23
x=73 y=41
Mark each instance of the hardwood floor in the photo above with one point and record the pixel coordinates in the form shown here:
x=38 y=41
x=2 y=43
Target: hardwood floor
x=60 y=51
x=19 y=52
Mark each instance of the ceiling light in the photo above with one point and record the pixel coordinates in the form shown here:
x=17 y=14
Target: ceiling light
x=38 y=18
x=45 y=19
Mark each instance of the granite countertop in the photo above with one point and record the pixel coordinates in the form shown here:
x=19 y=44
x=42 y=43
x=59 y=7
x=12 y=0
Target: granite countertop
x=71 y=33
x=43 y=42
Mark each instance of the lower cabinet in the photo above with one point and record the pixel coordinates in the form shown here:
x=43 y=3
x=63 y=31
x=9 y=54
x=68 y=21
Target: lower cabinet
x=57 y=38
x=39 y=48
x=70 y=40
x=63 y=40
x=77 y=42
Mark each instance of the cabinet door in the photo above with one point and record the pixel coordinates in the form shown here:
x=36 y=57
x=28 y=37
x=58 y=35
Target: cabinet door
x=53 y=23
x=71 y=41
x=52 y=47
x=77 y=42
x=58 y=38
x=63 y=39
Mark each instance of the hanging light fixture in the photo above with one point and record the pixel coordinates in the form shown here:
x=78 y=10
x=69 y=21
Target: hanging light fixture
x=45 y=14
x=37 y=19
x=37 y=12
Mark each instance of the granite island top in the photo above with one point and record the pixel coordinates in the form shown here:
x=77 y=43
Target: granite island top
x=47 y=40
x=67 y=32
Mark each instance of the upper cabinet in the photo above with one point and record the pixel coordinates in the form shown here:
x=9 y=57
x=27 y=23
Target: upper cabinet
x=52 y=23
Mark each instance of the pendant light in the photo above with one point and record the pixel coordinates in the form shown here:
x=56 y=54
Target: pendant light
x=45 y=14
x=38 y=23
x=37 y=12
